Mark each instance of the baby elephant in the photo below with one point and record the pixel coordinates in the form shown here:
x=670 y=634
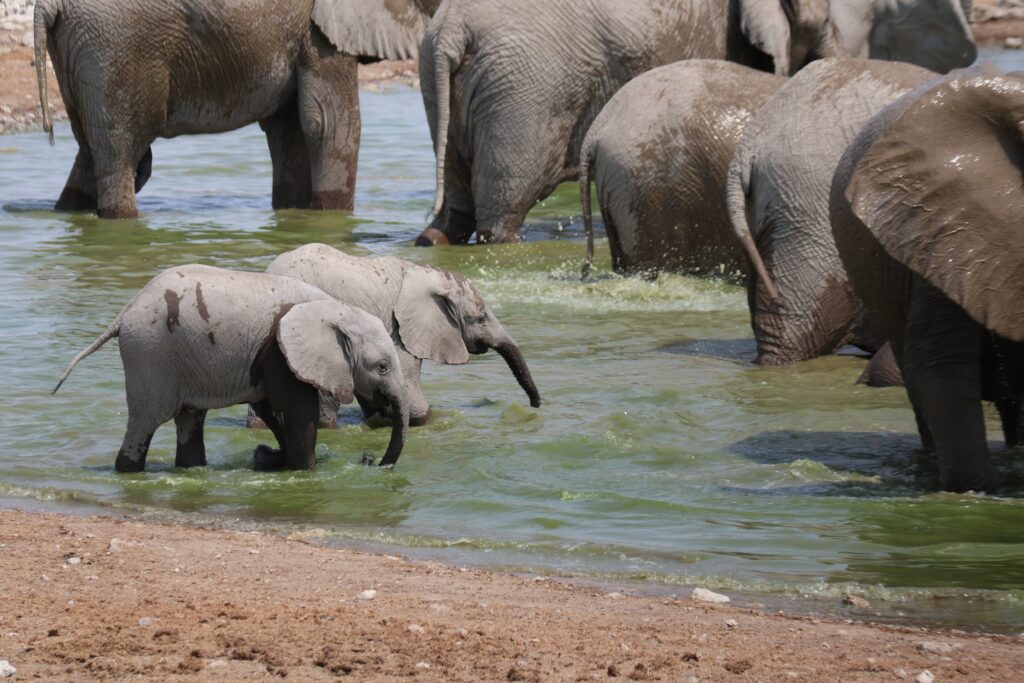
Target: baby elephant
x=197 y=338
x=430 y=312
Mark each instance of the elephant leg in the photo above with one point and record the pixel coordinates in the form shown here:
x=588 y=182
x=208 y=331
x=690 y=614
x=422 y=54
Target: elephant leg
x=144 y=169
x=942 y=355
x=293 y=186
x=456 y=222
x=79 y=192
x=293 y=409
x=191 y=451
x=254 y=421
x=329 y=110
x=115 y=179
x=135 y=446
x=265 y=458
x=1010 y=415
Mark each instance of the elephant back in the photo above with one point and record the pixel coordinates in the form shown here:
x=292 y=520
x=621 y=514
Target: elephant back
x=935 y=179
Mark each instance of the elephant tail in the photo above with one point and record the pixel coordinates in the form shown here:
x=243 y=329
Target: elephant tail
x=444 y=65
x=737 y=184
x=586 y=160
x=43 y=18
x=112 y=331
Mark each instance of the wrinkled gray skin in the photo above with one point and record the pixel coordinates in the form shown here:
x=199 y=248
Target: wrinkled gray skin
x=430 y=313
x=132 y=71
x=927 y=209
x=197 y=338
x=512 y=86
x=801 y=304
x=658 y=153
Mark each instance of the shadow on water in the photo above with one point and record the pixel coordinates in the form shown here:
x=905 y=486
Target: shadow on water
x=735 y=350
x=885 y=464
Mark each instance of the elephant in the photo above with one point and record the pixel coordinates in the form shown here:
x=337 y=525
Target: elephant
x=511 y=87
x=197 y=338
x=926 y=208
x=429 y=312
x=130 y=72
x=801 y=304
x=658 y=153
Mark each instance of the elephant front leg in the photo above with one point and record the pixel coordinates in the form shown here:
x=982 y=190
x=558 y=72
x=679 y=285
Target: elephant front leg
x=291 y=409
x=293 y=186
x=329 y=112
x=191 y=451
x=942 y=356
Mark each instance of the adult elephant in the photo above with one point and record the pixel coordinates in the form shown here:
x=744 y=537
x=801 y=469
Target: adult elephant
x=131 y=72
x=512 y=86
x=801 y=304
x=658 y=153
x=431 y=313
x=927 y=211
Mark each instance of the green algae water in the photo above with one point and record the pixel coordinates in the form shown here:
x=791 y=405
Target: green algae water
x=662 y=458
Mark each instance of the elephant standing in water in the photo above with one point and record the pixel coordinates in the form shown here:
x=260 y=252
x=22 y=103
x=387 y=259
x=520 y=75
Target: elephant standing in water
x=658 y=153
x=512 y=86
x=131 y=72
x=197 y=338
x=430 y=313
x=927 y=210
x=801 y=304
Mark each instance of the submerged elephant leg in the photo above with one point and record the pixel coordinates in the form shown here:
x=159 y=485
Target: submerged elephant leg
x=1010 y=415
x=135 y=446
x=942 y=356
x=293 y=186
x=79 y=192
x=456 y=222
x=191 y=451
x=329 y=111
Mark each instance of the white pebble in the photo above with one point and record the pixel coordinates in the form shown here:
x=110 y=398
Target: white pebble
x=145 y=621
x=732 y=623
x=6 y=669
x=416 y=628
x=704 y=595
x=935 y=648
x=368 y=594
x=925 y=676
x=423 y=665
x=73 y=560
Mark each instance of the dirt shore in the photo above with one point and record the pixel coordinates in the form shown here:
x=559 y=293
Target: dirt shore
x=93 y=598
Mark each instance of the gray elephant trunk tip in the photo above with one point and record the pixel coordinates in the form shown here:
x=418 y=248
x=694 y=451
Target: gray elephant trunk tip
x=517 y=364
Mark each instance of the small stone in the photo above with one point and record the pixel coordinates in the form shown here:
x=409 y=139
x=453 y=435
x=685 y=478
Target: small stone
x=623 y=648
x=415 y=628
x=6 y=669
x=1013 y=43
x=73 y=560
x=423 y=665
x=925 y=676
x=613 y=671
x=792 y=674
x=856 y=601
x=935 y=648
x=145 y=621
x=28 y=40
x=368 y=594
x=615 y=596
x=692 y=679
x=900 y=673
x=732 y=623
x=704 y=595
x=253 y=551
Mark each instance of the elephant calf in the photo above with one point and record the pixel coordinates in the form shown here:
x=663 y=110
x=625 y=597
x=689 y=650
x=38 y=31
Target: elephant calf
x=658 y=153
x=927 y=210
x=430 y=313
x=197 y=338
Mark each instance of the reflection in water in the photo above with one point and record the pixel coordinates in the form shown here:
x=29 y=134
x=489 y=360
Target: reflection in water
x=661 y=454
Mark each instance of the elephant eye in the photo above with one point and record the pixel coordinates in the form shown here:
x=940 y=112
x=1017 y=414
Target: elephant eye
x=382 y=367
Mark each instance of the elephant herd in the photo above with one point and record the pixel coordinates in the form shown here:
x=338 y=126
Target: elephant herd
x=837 y=156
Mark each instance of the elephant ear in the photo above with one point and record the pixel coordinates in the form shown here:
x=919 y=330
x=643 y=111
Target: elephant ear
x=940 y=188
x=766 y=25
x=934 y=34
x=381 y=29
x=428 y=317
x=315 y=339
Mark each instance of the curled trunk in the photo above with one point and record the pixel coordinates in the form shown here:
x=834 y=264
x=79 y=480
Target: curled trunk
x=399 y=426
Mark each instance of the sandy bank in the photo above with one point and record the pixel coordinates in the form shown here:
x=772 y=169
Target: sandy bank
x=96 y=598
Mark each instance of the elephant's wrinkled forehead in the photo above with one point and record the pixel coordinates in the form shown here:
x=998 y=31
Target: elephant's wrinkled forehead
x=462 y=284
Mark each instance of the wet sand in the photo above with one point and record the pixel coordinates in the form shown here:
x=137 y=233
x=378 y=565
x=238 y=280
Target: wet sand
x=97 y=598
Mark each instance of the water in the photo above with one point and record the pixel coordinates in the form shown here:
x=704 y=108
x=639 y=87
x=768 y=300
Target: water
x=661 y=455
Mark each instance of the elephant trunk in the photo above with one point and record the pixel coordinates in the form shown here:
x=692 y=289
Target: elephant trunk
x=399 y=426
x=517 y=364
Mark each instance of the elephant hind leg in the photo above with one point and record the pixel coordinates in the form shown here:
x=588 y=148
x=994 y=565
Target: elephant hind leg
x=135 y=446
x=191 y=451
x=79 y=192
x=293 y=184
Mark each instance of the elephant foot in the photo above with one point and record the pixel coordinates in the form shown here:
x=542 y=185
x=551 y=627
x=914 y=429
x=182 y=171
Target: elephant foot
x=983 y=482
x=125 y=464
x=431 y=237
x=267 y=459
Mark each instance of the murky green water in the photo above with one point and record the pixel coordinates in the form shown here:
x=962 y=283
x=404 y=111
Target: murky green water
x=661 y=454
